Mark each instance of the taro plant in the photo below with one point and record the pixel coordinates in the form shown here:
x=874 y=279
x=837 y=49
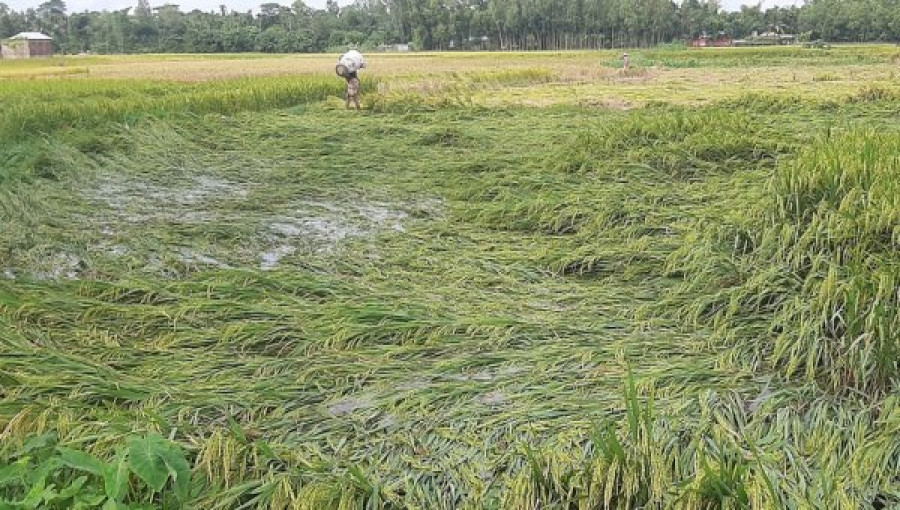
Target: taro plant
x=147 y=472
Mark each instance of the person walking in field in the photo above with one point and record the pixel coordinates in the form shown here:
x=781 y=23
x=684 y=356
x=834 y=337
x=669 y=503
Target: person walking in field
x=352 y=90
x=348 y=65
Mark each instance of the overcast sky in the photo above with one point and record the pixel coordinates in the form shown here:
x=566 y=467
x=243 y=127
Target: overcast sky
x=734 y=5
x=186 y=5
x=244 y=5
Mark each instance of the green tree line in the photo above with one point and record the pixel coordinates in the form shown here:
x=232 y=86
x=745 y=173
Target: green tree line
x=442 y=24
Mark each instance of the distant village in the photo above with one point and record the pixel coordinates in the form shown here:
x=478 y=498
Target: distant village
x=38 y=45
x=27 y=45
x=775 y=36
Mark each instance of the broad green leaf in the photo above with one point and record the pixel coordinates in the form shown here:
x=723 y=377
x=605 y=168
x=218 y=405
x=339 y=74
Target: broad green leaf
x=154 y=459
x=178 y=467
x=145 y=462
x=13 y=472
x=113 y=505
x=37 y=479
x=35 y=496
x=81 y=460
x=115 y=478
x=74 y=488
x=40 y=442
x=89 y=500
x=40 y=473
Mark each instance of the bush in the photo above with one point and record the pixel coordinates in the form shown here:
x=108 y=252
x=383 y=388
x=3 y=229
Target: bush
x=44 y=474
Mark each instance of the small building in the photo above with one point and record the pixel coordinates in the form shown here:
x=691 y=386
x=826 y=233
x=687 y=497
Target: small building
x=398 y=48
x=705 y=41
x=774 y=37
x=27 y=45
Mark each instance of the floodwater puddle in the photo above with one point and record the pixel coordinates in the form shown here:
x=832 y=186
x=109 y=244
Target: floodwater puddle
x=349 y=405
x=493 y=398
x=307 y=224
x=272 y=257
x=320 y=225
x=136 y=200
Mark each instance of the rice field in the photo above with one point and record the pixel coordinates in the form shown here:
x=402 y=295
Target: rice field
x=514 y=281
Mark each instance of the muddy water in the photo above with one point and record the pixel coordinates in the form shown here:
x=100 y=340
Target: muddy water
x=128 y=205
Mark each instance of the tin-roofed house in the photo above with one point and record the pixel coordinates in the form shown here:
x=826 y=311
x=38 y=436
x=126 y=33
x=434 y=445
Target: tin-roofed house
x=27 y=45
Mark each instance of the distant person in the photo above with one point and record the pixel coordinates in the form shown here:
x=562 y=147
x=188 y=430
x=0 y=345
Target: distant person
x=348 y=65
x=352 y=89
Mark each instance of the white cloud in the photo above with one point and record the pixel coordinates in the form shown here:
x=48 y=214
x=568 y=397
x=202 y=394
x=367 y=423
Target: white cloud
x=735 y=5
x=244 y=5
x=186 y=5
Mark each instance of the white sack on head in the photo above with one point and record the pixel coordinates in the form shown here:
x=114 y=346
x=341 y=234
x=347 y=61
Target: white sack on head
x=353 y=61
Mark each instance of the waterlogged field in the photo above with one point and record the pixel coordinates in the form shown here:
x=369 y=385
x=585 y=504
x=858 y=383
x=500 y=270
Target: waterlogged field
x=513 y=281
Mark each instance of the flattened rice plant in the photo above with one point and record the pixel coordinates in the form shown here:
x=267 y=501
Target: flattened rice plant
x=817 y=267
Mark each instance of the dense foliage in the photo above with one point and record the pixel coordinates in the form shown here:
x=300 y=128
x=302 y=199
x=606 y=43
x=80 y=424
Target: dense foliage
x=442 y=24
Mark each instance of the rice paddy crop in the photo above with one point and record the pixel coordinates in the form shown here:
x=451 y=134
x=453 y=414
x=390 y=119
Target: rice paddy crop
x=30 y=108
x=235 y=294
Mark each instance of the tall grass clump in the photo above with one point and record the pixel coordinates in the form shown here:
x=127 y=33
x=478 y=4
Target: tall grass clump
x=874 y=92
x=42 y=106
x=603 y=192
x=815 y=272
x=734 y=453
x=455 y=90
x=672 y=56
x=682 y=143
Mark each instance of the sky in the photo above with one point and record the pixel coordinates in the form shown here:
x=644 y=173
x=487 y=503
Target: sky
x=735 y=5
x=245 y=5
x=186 y=5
